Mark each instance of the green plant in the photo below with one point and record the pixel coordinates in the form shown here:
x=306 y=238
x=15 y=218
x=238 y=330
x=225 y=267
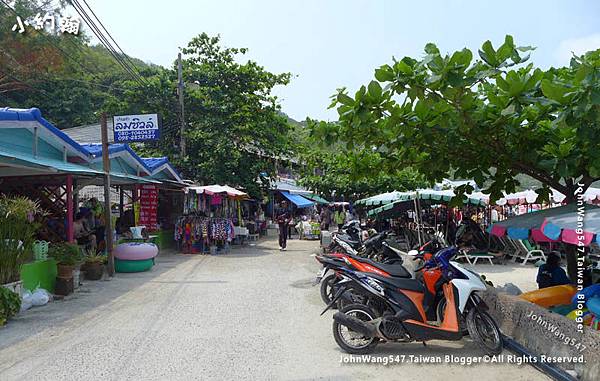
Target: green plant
x=10 y=304
x=17 y=233
x=95 y=259
x=65 y=253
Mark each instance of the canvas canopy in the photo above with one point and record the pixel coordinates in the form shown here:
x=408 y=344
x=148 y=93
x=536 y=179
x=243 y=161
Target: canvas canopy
x=218 y=189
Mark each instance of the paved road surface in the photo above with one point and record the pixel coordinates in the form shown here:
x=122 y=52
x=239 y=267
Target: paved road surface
x=251 y=314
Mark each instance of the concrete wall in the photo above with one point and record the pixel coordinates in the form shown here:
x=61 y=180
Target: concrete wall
x=546 y=333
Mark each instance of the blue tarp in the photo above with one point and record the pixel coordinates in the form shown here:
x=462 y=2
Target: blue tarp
x=298 y=200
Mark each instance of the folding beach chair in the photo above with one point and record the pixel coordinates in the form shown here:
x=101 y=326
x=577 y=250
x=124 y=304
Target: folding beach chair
x=531 y=254
x=473 y=256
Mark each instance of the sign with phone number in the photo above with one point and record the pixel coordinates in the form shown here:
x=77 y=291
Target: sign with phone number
x=136 y=128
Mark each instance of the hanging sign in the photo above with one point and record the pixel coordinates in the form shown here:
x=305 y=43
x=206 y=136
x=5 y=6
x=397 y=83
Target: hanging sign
x=148 y=207
x=136 y=128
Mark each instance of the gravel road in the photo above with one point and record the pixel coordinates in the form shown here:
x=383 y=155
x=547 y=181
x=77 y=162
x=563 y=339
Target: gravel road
x=251 y=314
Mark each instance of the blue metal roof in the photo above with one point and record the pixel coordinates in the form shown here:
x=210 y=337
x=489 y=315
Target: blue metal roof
x=9 y=157
x=87 y=151
x=155 y=162
x=35 y=115
x=95 y=149
x=298 y=200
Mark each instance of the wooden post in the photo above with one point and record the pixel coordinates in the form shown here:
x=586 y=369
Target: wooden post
x=121 y=201
x=108 y=234
x=70 y=232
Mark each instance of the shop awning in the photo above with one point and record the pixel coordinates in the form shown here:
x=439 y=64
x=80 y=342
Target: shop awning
x=20 y=164
x=298 y=200
x=316 y=198
x=27 y=163
x=217 y=189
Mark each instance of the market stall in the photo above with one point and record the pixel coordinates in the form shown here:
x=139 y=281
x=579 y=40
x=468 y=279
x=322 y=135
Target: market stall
x=212 y=219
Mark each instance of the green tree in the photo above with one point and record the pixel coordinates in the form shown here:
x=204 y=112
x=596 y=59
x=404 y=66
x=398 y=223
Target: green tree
x=351 y=174
x=490 y=119
x=235 y=128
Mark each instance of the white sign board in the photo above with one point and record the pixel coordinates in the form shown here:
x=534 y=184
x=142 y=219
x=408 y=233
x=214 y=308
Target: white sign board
x=136 y=128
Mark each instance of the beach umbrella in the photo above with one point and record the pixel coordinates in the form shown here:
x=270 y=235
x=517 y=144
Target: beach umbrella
x=566 y=226
x=520 y=227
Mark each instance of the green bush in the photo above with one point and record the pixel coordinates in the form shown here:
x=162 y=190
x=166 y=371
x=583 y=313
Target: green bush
x=65 y=253
x=17 y=233
x=10 y=304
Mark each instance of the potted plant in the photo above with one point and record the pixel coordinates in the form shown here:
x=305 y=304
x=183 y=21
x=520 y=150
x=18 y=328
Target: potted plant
x=17 y=234
x=67 y=257
x=94 y=266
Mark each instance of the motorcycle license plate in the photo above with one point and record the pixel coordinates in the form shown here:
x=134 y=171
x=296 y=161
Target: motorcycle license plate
x=320 y=275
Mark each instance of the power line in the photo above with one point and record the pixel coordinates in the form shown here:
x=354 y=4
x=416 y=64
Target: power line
x=104 y=41
x=41 y=91
x=113 y=40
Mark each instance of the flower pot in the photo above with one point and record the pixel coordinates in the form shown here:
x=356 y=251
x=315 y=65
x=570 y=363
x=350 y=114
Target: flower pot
x=65 y=271
x=16 y=287
x=94 y=271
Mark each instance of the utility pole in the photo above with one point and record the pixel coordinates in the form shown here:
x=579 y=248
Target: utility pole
x=180 y=92
x=107 y=215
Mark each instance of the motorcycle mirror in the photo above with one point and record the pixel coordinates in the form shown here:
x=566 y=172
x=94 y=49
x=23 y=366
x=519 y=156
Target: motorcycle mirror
x=413 y=253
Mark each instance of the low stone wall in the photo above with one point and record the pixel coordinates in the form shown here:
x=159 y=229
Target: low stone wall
x=546 y=333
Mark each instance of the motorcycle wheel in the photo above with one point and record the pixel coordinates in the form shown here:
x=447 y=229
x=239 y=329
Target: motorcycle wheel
x=328 y=288
x=354 y=342
x=484 y=331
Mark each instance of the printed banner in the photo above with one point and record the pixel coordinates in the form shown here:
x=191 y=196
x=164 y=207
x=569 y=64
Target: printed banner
x=148 y=207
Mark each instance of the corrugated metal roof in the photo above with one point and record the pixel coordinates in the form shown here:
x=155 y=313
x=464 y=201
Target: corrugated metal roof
x=90 y=133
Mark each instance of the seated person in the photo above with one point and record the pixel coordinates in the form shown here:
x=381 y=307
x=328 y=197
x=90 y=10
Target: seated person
x=551 y=274
x=82 y=233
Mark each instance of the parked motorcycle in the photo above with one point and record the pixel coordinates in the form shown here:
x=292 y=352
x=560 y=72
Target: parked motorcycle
x=332 y=262
x=394 y=309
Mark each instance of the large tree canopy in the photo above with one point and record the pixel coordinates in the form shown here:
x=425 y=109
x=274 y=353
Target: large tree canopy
x=334 y=172
x=234 y=128
x=488 y=119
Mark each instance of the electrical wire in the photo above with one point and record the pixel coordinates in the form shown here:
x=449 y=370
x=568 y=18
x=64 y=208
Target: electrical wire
x=104 y=41
x=28 y=85
x=113 y=40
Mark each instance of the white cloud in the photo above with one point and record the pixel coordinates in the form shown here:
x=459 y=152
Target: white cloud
x=576 y=45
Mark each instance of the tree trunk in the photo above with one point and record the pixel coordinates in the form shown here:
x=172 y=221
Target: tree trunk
x=572 y=253
x=571 y=250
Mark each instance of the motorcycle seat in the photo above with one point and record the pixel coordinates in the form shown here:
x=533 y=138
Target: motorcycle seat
x=398 y=271
x=402 y=283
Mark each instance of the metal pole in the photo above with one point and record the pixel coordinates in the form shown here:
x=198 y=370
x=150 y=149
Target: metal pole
x=70 y=235
x=108 y=220
x=180 y=91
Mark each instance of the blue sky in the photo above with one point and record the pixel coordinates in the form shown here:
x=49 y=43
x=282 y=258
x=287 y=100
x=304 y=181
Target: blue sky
x=328 y=44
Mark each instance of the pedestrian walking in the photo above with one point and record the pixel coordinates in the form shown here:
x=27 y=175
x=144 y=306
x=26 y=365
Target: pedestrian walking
x=339 y=217
x=325 y=218
x=283 y=218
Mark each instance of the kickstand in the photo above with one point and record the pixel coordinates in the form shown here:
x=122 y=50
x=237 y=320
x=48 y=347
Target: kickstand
x=424 y=344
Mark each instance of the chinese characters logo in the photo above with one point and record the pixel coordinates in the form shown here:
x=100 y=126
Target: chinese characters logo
x=66 y=24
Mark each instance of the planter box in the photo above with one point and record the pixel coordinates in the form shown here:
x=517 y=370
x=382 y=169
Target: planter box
x=16 y=287
x=40 y=273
